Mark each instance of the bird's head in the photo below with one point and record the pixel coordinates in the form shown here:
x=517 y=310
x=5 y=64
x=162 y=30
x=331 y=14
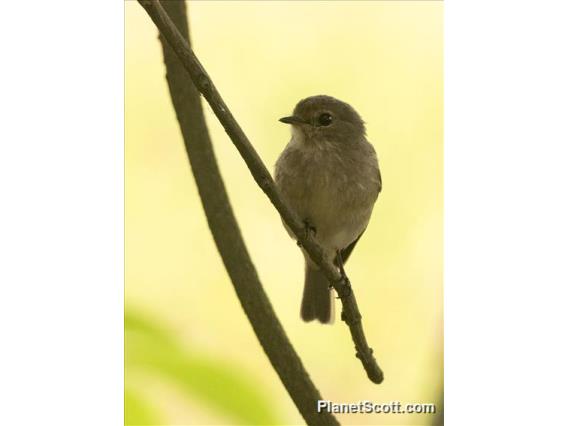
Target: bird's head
x=324 y=118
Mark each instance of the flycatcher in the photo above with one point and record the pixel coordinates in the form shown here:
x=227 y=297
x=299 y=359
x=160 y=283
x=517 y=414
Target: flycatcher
x=329 y=174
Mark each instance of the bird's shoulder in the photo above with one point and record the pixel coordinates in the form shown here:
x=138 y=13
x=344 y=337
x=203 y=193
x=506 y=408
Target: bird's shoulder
x=371 y=162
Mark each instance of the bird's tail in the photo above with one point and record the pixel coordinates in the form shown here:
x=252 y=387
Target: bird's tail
x=317 y=302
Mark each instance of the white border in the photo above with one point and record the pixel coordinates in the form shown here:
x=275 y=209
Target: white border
x=61 y=214
x=506 y=157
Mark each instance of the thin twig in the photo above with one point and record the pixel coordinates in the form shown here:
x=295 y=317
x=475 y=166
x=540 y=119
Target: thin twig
x=350 y=313
x=227 y=235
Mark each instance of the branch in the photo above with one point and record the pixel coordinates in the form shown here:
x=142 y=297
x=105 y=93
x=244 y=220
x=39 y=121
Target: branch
x=227 y=236
x=350 y=313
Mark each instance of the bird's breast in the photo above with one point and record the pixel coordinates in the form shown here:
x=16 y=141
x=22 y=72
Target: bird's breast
x=333 y=189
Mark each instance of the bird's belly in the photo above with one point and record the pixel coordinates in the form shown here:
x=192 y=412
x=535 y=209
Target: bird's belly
x=336 y=229
x=337 y=216
x=333 y=191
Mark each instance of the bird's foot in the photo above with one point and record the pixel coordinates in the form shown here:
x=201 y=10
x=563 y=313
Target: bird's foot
x=346 y=291
x=309 y=229
x=346 y=287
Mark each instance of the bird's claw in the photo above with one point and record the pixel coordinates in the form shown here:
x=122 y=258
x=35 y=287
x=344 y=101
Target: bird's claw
x=308 y=229
x=346 y=288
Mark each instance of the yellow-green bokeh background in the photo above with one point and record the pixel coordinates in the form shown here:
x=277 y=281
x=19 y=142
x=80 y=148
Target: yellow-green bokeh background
x=385 y=59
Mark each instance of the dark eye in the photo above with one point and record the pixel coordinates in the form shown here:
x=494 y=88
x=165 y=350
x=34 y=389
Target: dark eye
x=325 y=119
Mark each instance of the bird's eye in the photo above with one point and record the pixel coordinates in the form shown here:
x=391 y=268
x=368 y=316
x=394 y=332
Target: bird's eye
x=325 y=119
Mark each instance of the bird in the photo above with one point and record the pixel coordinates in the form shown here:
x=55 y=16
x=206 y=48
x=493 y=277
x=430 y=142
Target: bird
x=329 y=175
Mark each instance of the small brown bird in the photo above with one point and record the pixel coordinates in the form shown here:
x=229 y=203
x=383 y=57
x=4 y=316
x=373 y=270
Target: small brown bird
x=329 y=174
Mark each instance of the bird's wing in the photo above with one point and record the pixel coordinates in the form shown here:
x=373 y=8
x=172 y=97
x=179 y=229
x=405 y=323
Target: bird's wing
x=346 y=252
x=380 y=180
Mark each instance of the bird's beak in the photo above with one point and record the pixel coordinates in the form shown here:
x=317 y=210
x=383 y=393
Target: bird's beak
x=292 y=120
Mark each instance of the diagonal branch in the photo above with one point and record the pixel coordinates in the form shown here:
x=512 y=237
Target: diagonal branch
x=350 y=313
x=227 y=236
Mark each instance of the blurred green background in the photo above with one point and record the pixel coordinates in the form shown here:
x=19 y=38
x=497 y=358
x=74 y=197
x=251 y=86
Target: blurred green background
x=191 y=355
